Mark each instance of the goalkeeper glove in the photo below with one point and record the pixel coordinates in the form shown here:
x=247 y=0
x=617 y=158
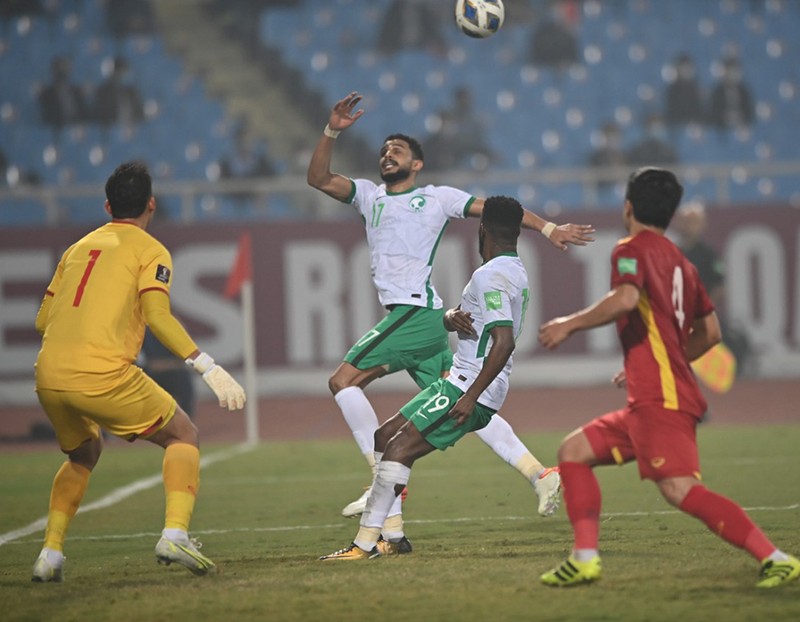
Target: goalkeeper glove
x=229 y=392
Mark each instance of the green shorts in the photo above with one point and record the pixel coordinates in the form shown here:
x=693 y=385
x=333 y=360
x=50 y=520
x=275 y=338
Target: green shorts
x=410 y=338
x=428 y=411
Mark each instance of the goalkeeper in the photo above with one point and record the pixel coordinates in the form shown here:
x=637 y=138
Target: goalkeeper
x=92 y=321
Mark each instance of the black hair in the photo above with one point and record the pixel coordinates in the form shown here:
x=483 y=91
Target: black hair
x=655 y=194
x=503 y=217
x=128 y=190
x=413 y=144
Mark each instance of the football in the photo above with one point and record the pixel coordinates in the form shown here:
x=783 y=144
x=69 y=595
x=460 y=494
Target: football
x=479 y=18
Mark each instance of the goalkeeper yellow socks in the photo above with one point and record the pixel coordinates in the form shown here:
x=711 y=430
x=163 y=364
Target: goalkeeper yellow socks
x=181 y=472
x=69 y=485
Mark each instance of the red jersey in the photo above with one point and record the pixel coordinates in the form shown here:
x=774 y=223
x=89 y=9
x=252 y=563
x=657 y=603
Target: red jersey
x=654 y=335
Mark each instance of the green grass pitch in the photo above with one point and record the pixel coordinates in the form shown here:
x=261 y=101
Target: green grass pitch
x=266 y=515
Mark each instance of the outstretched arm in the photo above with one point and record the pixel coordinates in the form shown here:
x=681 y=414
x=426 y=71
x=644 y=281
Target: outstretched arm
x=319 y=174
x=616 y=303
x=559 y=235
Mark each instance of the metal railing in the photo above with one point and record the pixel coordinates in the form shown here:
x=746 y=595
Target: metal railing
x=194 y=200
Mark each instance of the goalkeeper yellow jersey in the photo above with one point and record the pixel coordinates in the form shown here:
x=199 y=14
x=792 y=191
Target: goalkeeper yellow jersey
x=95 y=326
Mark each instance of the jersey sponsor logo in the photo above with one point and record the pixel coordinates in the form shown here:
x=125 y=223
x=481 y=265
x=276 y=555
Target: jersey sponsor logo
x=162 y=274
x=626 y=265
x=658 y=462
x=493 y=300
x=417 y=203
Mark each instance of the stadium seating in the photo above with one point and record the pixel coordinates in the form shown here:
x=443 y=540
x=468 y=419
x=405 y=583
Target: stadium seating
x=536 y=118
x=176 y=145
x=625 y=46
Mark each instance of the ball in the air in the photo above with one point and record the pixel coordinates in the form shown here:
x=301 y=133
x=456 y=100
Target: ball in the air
x=479 y=18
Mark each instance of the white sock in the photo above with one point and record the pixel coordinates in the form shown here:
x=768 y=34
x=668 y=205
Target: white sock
x=585 y=555
x=53 y=557
x=500 y=436
x=778 y=556
x=176 y=535
x=383 y=497
x=397 y=506
x=360 y=417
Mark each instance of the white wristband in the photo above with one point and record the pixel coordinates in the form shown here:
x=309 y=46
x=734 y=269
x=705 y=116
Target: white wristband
x=201 y=363
x=548 y=229
x=331 y=133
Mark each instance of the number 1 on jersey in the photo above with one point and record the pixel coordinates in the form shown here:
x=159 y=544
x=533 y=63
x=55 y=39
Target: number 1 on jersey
x=93 y=255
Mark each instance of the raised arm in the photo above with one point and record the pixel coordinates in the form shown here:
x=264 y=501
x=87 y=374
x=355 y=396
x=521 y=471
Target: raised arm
x=319 y=174
x=559 y=235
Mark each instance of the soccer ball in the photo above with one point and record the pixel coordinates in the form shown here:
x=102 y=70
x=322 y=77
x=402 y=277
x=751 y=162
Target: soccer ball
x=479 y=18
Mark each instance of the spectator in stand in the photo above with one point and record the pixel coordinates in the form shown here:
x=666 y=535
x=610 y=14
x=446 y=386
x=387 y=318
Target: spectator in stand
x=3 y=168
x=9 y=9
x=691 y=222
x=248 y=158
x=117 y=100
x=653 y=149
x=731 y=99
x=411 y=25
x=130 y=17
x=684 y=97
x=461 y=140
x=608 y=152
x=62 y=102
x=554 y=42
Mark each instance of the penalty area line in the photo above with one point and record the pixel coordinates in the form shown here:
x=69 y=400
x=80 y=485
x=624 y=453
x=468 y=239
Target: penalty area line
x=120 y=494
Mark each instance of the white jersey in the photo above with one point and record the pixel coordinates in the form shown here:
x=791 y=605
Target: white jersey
x=403 y=233
x=496 y=295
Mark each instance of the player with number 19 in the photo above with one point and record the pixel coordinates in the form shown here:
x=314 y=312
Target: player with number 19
x=488 y=321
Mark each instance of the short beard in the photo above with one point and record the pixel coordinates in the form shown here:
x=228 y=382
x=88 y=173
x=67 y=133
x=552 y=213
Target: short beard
x=399 y=175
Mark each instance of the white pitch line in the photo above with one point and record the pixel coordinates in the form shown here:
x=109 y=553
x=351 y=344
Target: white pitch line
x=422 y=521
x=120 y=494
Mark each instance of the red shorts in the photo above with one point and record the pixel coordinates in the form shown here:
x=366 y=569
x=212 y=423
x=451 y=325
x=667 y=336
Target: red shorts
x=663 y=442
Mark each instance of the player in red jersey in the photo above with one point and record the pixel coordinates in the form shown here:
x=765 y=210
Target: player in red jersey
x=664 y=319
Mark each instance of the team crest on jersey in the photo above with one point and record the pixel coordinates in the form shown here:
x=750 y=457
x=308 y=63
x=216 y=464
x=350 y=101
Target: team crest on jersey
x=162 y=274
x=626 y=265
x=493 y=300
x=417 y=203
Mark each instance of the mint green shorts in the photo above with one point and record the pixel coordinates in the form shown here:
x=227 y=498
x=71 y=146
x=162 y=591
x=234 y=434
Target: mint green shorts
x=428 y=412
x=409 y=338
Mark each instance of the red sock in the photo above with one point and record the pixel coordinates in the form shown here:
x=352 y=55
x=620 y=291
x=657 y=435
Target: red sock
x=729 y=521
x=583 y=500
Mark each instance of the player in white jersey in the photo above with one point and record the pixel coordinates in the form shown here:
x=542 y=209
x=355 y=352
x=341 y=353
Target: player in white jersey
x=404 y=224
x=488 y=322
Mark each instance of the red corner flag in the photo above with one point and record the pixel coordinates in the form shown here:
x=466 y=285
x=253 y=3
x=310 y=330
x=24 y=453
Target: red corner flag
x=242 y=268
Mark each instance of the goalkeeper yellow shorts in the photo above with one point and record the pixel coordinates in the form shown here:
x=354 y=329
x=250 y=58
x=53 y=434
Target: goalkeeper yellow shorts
x=136 y=407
